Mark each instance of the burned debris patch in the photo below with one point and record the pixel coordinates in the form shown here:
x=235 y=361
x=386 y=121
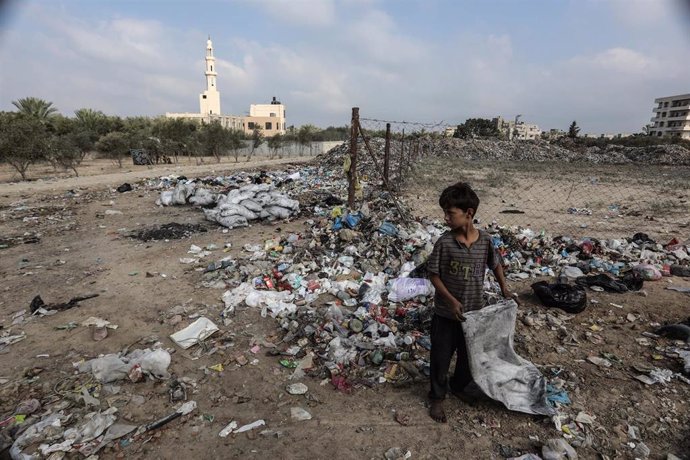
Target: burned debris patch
x=170 y=231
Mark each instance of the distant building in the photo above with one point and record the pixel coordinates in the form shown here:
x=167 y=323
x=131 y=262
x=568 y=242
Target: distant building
x=606 y=136
x=270 y=118
x=553 y=133
x=517 y=130
x=672 y=116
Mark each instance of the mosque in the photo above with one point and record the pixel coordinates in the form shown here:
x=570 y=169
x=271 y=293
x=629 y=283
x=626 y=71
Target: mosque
x=270 y=118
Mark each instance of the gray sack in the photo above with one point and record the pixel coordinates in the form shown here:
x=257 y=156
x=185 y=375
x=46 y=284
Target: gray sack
x=496 y=368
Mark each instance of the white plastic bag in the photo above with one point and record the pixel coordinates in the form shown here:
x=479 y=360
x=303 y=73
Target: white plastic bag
x=401 y=289
x=166 y=198
x=496 y=368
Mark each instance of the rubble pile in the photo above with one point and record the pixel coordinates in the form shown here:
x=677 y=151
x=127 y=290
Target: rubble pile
x=496 y=150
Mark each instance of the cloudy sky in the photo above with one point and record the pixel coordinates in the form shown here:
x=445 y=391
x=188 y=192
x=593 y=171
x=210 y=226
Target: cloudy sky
x=600 y=62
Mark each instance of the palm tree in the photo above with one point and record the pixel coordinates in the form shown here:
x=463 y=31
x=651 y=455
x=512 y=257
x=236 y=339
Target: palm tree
x=35 y=107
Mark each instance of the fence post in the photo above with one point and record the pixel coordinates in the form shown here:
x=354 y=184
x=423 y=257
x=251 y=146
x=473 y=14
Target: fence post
x=402 y=155
x=352 y=172
x=386 y=154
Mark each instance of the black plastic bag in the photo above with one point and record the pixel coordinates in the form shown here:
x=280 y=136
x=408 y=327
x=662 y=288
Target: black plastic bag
x=603 y=280
x=567 y=297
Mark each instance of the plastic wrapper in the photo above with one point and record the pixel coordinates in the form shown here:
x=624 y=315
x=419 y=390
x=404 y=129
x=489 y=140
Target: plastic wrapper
x=196 y=332
x=648 y=272
x=401 y=289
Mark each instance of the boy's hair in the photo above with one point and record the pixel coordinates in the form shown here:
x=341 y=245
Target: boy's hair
x=459 y=196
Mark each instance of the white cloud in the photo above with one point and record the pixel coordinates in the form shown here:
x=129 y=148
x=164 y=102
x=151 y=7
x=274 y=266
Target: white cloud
x=119 y=65
x=352 y=53
x=642 y=13
x=376 y=37
x=619 y=60
x=314 y=13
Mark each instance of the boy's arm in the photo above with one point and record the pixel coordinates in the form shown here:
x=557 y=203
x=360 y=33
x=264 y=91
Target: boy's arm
x=500 y=277
x=441 y=289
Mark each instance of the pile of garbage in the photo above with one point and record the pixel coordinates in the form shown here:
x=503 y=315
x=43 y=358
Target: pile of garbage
x=340 y=289
x=528 y=253
x=237 y=207
x=351 y=292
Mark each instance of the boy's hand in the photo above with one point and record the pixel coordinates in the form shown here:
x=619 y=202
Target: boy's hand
x=457 y=310
x=510 y=295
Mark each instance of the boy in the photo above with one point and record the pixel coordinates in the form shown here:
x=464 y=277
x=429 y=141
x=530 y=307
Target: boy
x=456 y=269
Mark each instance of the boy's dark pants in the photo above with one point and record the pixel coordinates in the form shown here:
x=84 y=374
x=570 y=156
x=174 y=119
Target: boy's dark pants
x=447 y=338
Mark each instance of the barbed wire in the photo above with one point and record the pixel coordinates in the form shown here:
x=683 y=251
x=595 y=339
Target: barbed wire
x=580 y=200
x=424 y=125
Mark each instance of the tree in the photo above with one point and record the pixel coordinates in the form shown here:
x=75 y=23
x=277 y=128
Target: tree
x=93 y=120
x=176 y=135
x=332 y=133
x=23 y=140
x=477 y=127
x=89 y=126
x=274 y=144
x=36 y=108
x=305 y=136
x=235 y=143
x=574 y=130
x=115 y=145
x=63 y=151
x=257 y=140
x=137 y=130
x=214 y=139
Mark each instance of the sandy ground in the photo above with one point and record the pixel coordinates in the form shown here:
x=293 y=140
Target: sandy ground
x=82 y=250
x=612 y=201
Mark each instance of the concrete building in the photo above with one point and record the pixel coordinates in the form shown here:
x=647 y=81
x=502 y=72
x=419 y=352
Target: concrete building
x=517 y=130
x=553 y=133
x=269 y=118
x=672 y=116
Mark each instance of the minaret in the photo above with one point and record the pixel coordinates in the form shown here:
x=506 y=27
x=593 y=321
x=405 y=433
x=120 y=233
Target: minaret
x=209 y=100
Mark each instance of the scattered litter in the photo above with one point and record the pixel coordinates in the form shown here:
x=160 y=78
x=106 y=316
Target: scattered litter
x=195 y=333
x=299 y=414
x=297 y=389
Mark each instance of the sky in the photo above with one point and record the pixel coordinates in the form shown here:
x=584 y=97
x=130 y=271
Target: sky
x=599 y=62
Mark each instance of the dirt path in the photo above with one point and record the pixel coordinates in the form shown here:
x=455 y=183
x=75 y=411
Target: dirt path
x=102 y=173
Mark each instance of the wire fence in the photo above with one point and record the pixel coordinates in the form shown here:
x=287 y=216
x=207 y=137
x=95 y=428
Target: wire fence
x=545 y=190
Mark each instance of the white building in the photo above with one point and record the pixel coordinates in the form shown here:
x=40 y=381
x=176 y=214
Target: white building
x=209 y=100
x=269 y=118
x=672 y=116
x=517 y=130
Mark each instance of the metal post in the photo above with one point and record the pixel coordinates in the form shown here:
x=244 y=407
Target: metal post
x=352 y=173
x=387 y=154
x=402 y=155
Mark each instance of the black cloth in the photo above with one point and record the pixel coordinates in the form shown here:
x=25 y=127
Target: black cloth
x=447 y=338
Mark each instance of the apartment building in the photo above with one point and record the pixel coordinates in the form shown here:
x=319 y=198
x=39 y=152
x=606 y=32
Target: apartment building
x=671 y=116
x=517 y=130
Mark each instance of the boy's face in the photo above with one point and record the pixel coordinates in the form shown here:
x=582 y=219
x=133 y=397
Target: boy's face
x=456 y=218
